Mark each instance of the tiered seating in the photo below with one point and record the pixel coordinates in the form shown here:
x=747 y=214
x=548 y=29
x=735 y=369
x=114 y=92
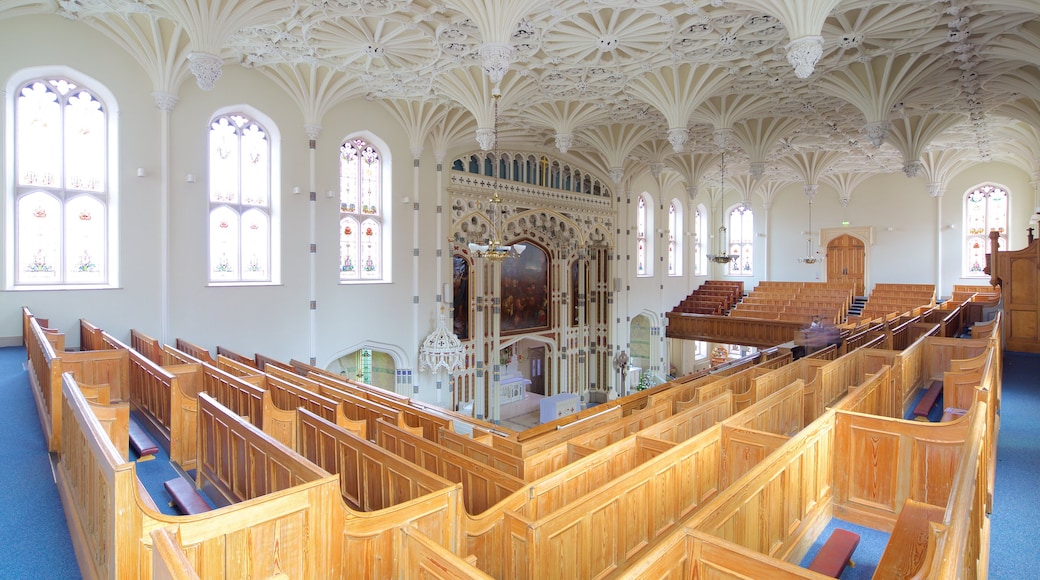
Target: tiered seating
x=886 y=299
x=712 y=297
x=801 y=302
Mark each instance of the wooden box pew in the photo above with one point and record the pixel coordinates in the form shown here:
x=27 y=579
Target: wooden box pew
x=593 y=533
x=482 y=485
x=562 y=433
x=238 y=462
x=372 y=478
x=949 y=318
x=27 y=315
x=45 y=370
x=356 y=413
x=876 y=395
x=146 y=345
x=235 y=367
x=195 y=351
x=106 y=371
x=239 y=358
x=412 y=416
x=112 y=518
x=907 y=373
x=480 y=446
x=503 y=435
x=770 y=382
x=282 y=398
x=548 y=460
x=90 y=336
x=750 y=436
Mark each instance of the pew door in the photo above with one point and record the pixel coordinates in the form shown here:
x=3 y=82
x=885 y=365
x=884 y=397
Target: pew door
x=846 y=256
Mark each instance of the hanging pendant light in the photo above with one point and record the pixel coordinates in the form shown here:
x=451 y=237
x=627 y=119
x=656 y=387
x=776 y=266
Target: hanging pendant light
x=810 y=258
x=722 y=256
x=493 y=249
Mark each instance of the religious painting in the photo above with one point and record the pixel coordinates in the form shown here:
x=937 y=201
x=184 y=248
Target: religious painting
x=525 y=291
x=460 y=297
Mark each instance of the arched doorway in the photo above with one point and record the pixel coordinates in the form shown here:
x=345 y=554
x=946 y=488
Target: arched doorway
x=846 y=259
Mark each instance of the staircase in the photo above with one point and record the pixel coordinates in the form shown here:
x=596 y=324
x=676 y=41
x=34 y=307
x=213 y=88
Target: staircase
x=856 y=308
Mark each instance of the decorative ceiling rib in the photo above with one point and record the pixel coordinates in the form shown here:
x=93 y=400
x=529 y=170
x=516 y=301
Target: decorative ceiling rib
x=572 y=69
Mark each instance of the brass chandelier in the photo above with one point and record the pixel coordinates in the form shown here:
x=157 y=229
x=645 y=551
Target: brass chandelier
x=493 y=249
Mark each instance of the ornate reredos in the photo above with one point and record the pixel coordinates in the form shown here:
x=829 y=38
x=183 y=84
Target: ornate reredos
x=562 y=228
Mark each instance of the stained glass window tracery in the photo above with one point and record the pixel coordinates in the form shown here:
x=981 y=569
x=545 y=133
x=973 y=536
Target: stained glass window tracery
x=61 y=233
x=675 y=238
x=985 y=210
x=741 y=239
x=240 y=208
x=700 y=233
x=361 y=211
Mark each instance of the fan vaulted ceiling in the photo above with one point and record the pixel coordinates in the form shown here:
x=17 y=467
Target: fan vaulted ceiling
x=895 y=81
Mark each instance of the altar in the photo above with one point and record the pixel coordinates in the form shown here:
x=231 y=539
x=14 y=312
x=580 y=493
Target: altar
x=556 y=406
x=512 y=386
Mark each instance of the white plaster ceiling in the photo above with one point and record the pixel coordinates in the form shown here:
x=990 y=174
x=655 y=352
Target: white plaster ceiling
x=631 y=62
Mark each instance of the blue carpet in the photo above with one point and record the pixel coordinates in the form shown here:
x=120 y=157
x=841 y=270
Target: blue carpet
x=33 y=533
x=152 y=473
x=867 y=555
x=1014 y=543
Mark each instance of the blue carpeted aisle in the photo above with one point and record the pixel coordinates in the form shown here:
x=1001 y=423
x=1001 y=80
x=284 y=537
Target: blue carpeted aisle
x=33 y=535
x=1014 y=541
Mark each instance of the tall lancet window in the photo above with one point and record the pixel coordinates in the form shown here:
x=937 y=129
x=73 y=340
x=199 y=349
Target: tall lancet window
x=985 y=210
x=741 y=238
x=675 y=238
x=62 y=201
x=361 y=211
x=644 y=242
x=700 y=237
x=241 y=236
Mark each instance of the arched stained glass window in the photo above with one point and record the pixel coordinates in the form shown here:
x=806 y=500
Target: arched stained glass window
x=62 y=233
x=644 y=242
x=741 y=238
x=985 y=210
x=362 y=215
x=700 y=236
x=240 y=208
x=675 y=238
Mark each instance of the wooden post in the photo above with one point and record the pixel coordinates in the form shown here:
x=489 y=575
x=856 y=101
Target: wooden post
x=994 y=240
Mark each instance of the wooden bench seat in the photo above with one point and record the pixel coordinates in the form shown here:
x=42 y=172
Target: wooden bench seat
x=187 y=499
x=952 y=413
x=912 y=544
x=928 y=400
x=836 y=553
x=140 y=441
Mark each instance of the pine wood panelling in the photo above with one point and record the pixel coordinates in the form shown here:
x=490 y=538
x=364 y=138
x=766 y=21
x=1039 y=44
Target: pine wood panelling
x=195 y=351
x=764 y=333
x=101 y=367
x=150 y=388
x=484 y=452
x=482 y=485
x=372 y=478
x=146 y=345
x=241 y=462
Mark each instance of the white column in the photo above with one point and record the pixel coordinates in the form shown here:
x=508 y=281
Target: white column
x=416 y=336
x=166 y=102
x=312 y=254
x=937 y=190
x=765 y=244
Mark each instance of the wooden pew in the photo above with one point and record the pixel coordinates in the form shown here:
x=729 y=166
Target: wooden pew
x=913 y=541
x=482 y=485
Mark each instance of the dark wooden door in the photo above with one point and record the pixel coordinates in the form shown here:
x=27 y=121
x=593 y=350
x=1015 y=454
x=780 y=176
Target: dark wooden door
x=846 y=257
x=537 y=355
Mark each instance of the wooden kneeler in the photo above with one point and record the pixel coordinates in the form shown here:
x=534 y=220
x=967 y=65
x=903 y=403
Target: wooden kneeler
x=836 y=553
